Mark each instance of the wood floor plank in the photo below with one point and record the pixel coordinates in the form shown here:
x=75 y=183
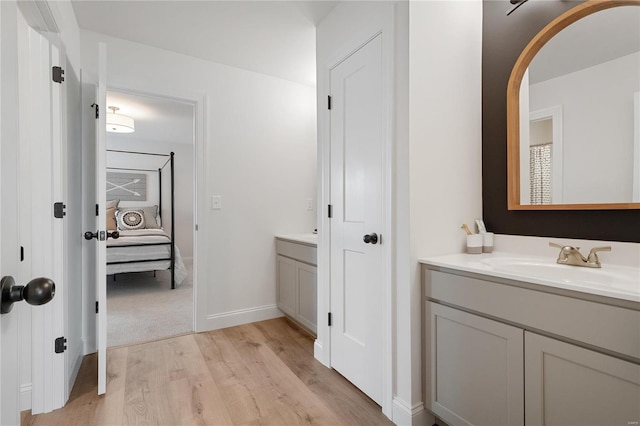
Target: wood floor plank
x=291 y=345
x=256 y=374
x=231 y=375
x=109 y=409
x=196 y=397
x=147 y=396
x=295 y=402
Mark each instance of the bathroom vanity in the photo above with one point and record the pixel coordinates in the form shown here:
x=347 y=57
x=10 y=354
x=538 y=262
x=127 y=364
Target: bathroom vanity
x=296 y=278
x=522 y=340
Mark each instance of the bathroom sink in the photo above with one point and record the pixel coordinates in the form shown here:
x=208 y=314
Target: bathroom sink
x=609 y=276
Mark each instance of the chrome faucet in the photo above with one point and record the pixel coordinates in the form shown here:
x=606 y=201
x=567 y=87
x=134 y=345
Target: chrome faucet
x=571 y=256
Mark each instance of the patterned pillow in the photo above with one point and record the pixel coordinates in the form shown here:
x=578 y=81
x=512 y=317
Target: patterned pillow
x=130 y=219
x=150 y=214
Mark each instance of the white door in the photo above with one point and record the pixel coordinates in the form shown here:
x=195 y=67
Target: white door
x=41 y=186
x=357 y=144
x=101 y=219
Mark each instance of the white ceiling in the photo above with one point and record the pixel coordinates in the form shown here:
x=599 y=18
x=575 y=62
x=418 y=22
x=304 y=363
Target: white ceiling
x=271 y=37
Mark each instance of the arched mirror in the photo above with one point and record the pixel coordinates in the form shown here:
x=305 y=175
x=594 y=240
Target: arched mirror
x=573 y=112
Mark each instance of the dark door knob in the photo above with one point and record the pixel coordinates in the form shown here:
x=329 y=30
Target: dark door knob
x=113 y=234
x=90 y=235
x=371 y=238
x=37 y=292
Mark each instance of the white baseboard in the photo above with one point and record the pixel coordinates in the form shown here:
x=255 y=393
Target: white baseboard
x=414 y=415
x=242 y=316
x=25 y=396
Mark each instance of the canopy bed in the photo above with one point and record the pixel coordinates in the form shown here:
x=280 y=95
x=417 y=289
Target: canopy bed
x=143 y=243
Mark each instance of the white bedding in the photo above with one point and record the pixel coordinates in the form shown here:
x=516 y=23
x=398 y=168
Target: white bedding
x=118 y=252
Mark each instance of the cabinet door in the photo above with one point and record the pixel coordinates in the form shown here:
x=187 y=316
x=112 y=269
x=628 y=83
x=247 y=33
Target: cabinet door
x=286 y=285
x=569 y=385
x=307 y=296
x=476 y=372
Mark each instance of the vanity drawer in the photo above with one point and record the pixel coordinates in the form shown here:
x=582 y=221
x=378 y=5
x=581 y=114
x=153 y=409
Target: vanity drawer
x=302 y=252
x=610 y=328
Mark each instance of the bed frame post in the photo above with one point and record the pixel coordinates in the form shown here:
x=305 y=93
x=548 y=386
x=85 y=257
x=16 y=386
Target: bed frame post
x=160 y=192
x=173 y=229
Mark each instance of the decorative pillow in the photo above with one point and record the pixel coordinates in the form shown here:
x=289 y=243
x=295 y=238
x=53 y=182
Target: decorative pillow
x=130 y=219
x=150 y=214
x=112 y=204
x=112 y=225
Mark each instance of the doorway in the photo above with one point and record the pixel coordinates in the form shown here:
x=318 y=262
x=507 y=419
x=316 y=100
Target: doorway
x=142 y=167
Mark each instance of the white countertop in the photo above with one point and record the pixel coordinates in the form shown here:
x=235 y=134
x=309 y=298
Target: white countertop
x=310 y=239
x=621 y=282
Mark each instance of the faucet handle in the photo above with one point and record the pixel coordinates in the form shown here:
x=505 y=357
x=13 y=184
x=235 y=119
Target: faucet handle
x=556 y=245
x=593 y=256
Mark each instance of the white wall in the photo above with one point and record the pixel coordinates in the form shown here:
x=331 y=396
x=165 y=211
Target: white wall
x=445 y=142
x=184 y=184
x=258 y=153
x=597 y=111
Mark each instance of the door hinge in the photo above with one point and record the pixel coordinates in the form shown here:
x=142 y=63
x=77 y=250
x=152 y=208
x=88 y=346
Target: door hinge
x=97 y=107
x=21 y=254
x=330 y=211
x=329 y=319
x=97 y=210
x=60 y=345
x=58 y=210
x=58 y=74
x=97 y=310
x=329 y=102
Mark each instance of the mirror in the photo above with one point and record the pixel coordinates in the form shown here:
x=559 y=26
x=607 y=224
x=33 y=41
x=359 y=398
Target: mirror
x=573 y=112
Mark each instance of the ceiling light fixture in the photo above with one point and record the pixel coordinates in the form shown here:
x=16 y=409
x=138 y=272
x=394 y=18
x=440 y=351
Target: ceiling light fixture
x=118 y=123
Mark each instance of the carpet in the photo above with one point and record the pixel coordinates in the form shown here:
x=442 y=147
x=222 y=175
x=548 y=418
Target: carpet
x=142 y=308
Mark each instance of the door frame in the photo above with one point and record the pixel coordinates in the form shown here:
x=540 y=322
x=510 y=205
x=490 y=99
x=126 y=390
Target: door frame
x=199 y=102
x=9 y=262
x=322 y=345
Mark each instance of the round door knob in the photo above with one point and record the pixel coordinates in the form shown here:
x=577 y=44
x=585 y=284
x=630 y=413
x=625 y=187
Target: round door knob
x=371 y=238
x=90 y=235
x=113 y=234
x=37 y=292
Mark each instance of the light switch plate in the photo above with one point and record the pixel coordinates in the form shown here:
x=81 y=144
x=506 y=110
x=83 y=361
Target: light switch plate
x=309 y=203
x=216 y=202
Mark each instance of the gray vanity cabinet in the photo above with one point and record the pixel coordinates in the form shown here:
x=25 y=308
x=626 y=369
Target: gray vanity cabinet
x=476 y=371
x=296 y=282
x=512 y=353
x=286 y=285
x=569 y=385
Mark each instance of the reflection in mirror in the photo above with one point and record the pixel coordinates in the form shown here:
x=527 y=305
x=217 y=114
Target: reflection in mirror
x=578 y=137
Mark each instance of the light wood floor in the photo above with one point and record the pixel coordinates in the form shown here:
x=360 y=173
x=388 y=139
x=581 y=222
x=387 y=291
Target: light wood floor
x=255 y=374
